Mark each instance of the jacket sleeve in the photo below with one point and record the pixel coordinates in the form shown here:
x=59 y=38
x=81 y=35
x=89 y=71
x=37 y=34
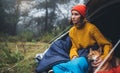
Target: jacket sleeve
x=74 y=49
x=101 y=40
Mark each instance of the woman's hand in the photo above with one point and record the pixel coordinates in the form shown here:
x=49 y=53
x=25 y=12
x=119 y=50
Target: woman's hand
x=74 y=57
x=97 y=62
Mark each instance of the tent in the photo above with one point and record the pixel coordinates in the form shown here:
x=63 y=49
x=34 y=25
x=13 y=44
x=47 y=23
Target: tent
x=106 y=15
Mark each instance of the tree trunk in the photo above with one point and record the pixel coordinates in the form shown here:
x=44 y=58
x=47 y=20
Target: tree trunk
x=46 y=18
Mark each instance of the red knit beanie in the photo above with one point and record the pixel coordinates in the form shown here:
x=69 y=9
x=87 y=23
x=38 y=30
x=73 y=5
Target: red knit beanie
x=81 y=9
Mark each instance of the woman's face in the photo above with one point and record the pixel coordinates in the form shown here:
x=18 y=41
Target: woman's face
x=75 y=17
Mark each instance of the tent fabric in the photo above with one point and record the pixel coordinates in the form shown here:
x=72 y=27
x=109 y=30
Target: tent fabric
x=96 y=7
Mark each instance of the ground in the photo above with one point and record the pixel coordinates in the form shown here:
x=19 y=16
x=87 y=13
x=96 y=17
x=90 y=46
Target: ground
x=29 y=50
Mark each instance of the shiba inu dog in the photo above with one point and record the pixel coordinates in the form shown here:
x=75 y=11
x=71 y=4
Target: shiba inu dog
x=93 y=54
x=111 y=63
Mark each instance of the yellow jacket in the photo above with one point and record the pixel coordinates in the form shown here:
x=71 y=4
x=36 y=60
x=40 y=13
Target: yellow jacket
x=87 y=36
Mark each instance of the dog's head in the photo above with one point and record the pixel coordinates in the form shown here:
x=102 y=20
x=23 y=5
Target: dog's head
x=93 y=54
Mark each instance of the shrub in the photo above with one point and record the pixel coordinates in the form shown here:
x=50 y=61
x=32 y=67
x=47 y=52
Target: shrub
x=8 y=57
x=26 y=36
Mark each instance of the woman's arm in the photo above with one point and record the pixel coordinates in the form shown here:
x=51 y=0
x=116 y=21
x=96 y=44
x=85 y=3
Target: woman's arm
x=73 y=51
x=102 y=41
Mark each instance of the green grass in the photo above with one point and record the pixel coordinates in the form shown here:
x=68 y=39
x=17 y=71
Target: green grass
x=29 y=50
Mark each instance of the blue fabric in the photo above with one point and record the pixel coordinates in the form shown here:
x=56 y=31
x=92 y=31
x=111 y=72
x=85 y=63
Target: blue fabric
x=84 y=51
x=78 y=65
x=58 y=52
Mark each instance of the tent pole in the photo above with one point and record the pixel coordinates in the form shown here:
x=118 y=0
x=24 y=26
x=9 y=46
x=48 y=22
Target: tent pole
x=98 y=68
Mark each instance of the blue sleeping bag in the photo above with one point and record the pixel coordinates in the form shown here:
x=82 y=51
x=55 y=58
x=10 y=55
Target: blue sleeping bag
x=58 y=52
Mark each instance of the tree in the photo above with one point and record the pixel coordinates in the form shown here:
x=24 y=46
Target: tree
x=46 y=18
x=2 y=14
x=8 y=18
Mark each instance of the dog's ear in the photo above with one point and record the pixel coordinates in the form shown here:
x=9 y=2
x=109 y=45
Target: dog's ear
x=91 y=50
x=99 y=50
x=89 y=56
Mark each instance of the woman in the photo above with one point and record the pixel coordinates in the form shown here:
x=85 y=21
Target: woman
x=83 y=35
